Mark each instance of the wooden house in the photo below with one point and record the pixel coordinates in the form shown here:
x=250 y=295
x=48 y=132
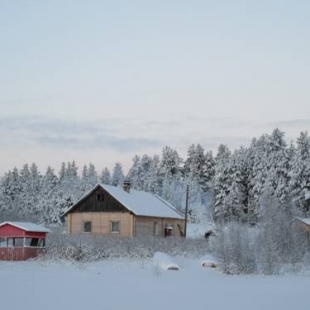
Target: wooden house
x=21 y=240
x=301 y=223
x=302 y=226
x=124 y=212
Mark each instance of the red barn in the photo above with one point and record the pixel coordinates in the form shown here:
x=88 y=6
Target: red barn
x=21 y=240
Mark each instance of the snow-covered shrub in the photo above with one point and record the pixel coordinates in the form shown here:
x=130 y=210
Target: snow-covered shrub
x=95 y=247
x=234 y=248
x=264 y=248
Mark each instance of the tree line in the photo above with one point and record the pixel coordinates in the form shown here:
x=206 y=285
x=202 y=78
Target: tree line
x=231 y=186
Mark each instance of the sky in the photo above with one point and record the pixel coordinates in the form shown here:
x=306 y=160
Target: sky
x=101 y=81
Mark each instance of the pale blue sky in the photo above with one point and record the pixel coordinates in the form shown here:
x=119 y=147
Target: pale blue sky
x=100 y=81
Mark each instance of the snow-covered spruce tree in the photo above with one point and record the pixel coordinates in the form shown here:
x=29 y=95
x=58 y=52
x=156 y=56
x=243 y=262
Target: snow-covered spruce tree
x=34 y=187
x=269 y=159
x=89 y=178
x=70 y=181
x=105 y=177
x=10 y=194
x=260 y=168
x=170 y=174
x=135 y=174
x=279 y=159
x=299 y=183
x=151 y=183
x=69 y=188
x=208 y=171
x=54 y=199
x=143 y=173
x=222 y=184
x=196 y=175
x=117 y=175
x=232 y=205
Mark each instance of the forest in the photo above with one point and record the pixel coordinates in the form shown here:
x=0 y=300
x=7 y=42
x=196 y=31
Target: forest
x=229 y=186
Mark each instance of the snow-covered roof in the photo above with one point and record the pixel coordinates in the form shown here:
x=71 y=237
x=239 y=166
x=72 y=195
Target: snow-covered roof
x=138 y=202
x=27 y=226
x=304 y=220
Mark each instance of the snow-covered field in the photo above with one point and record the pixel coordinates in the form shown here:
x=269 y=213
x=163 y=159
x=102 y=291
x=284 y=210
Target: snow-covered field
x=125 y=284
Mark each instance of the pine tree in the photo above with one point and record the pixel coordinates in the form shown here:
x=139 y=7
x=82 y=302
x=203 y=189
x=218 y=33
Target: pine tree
x=117 y=175
x=105 y=176
x=170 y=175
x=299 y=183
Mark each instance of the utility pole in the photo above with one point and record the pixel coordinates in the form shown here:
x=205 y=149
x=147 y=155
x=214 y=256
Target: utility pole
x=186 y=210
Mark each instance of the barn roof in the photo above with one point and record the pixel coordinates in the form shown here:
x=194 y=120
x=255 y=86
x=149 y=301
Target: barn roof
x=303 y=220
x=27 y=226
x=138 y=202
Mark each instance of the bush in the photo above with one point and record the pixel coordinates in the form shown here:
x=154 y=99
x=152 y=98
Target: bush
x=265 y=248
x=96 y=247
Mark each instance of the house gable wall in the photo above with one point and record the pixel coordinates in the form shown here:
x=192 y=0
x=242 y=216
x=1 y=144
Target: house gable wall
x=99 y=201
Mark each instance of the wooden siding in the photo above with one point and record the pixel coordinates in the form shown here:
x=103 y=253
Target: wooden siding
x=144 y=226
x=19 y=253
x=300 y=225
x=8 y=230
x=99 y=201
x=100 y=222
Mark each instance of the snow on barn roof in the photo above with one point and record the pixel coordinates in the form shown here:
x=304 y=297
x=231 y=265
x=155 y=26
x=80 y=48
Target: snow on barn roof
x=304 y=220
x=27 y=226
x=138 y=202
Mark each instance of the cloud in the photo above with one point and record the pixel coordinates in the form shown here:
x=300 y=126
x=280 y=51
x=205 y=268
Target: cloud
x=135 y=136
x=299 y=123
x=32 y=131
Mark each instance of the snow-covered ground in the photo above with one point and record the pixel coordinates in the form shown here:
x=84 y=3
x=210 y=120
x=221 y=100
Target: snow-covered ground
x=138 y=285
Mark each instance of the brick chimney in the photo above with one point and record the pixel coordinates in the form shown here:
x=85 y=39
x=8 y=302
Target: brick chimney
x=126 y=186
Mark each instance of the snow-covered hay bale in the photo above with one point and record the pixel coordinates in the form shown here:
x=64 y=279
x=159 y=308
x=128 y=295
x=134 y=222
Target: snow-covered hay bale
x=208 y=261
x=164 y=262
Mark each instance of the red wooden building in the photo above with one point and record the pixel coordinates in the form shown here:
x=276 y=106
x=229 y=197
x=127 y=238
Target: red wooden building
x=21 y=240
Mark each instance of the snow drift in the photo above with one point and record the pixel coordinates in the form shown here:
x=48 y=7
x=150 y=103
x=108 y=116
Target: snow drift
x=164 y=262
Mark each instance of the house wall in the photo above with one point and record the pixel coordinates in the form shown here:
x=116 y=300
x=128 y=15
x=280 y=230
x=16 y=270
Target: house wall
x=100 y=222
x=299 y=225
x=20 y=253
x=145 y=226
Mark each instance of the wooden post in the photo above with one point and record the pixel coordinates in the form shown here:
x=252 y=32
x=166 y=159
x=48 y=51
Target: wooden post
x=186 y=210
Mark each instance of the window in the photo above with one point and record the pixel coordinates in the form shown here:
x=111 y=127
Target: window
x=87 y=227
x=114 y=227
x=155 y=229
x=19 y=242
x=100 y=197
x=34 y=242
x=10 y=242
x=3 y=242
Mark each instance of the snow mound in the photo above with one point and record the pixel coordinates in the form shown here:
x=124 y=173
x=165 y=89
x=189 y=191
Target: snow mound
x=164 y=261
x=208 y=261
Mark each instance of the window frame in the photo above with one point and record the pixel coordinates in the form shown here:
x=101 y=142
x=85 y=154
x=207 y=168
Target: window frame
x=155 y=229
x=100 y=197
x=111 y=226
x=90 y=227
